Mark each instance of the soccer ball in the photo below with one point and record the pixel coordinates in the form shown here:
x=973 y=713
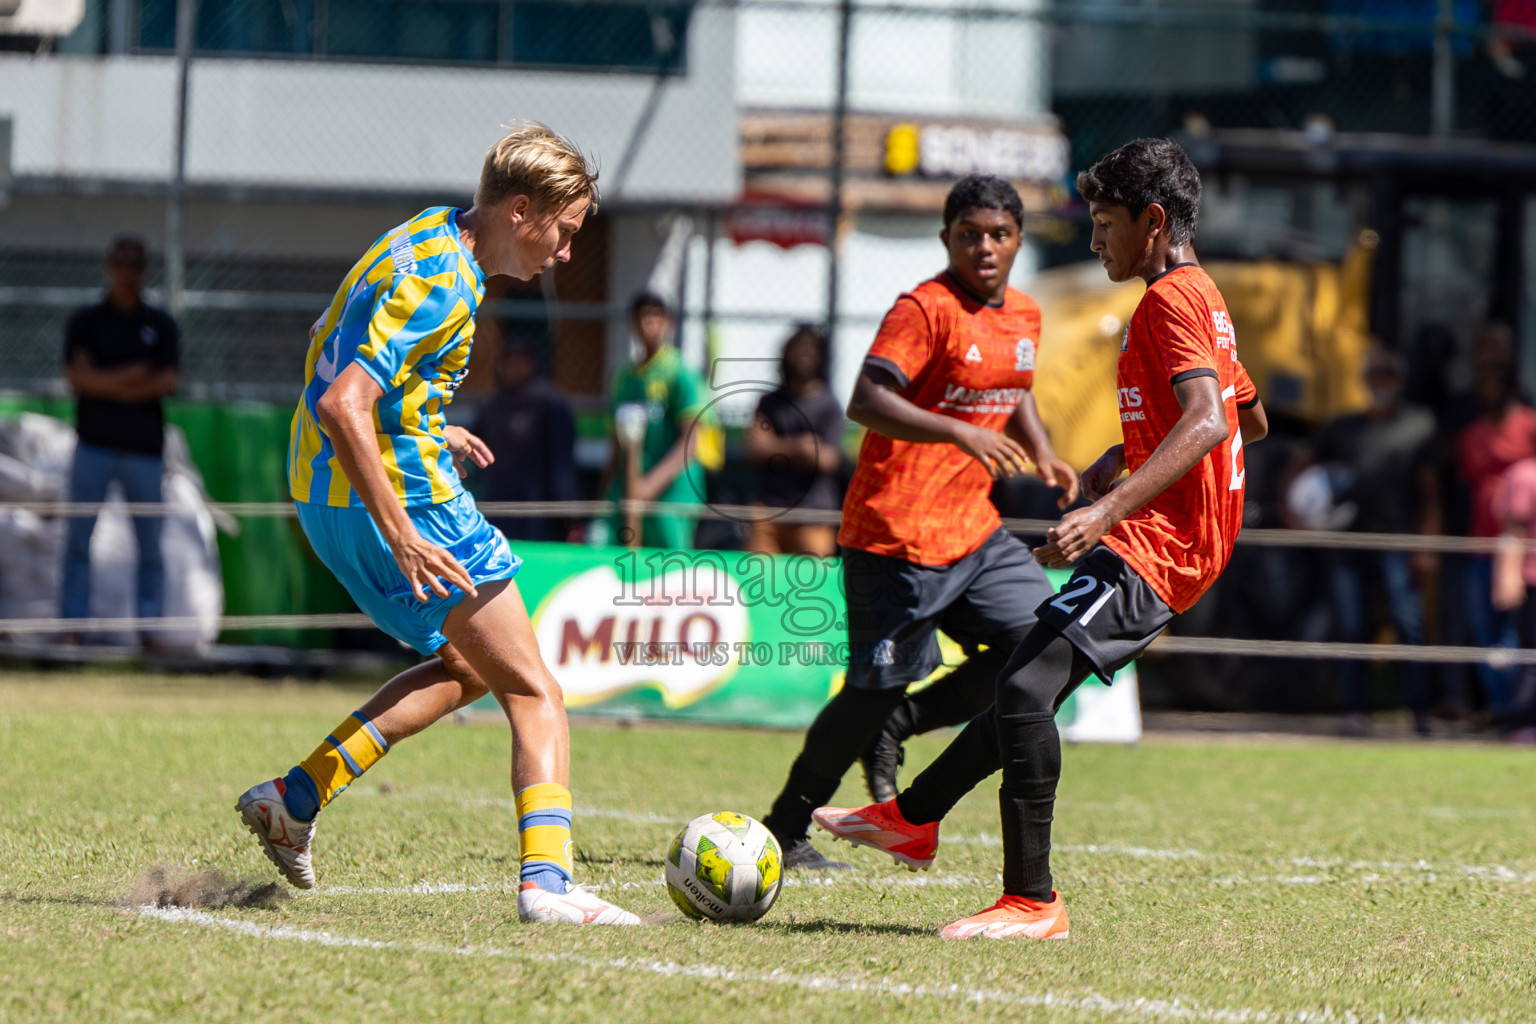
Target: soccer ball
x=724 y=867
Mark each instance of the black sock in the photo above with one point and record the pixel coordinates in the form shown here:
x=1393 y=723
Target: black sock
x=1031 y=752
x=803 y=792
x=1040 y=675
x=837 y=737
x=969 y=759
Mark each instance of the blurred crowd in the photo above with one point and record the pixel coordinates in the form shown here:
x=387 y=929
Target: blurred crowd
x=1424 y=458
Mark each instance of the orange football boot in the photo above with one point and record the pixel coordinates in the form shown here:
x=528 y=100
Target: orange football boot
x=881 y=827
x=1014 y=917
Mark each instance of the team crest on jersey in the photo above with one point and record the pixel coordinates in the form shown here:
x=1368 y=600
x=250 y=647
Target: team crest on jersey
x=1024 y=354
x=974 y=355
x=1125 y=339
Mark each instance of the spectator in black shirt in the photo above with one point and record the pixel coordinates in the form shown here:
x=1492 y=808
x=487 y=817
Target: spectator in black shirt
x=120 y=359
x=531 y=430
x=796 y=440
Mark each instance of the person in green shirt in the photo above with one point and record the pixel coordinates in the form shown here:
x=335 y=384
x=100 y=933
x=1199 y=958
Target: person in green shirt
x=672 y=397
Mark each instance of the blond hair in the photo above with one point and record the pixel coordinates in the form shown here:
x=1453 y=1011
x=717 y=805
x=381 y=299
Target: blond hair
x=532 y=160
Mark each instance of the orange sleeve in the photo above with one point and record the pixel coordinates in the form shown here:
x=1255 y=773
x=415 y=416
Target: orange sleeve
x=1247 y=394
x=1183 y=334
x=905 y=340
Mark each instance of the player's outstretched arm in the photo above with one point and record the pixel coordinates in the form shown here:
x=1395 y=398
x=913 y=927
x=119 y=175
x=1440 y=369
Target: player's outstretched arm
x=877 y=404
x=346 y=413
x=1201 y=428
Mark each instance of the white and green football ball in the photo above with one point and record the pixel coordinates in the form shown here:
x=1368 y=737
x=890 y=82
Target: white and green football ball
x=724 y=867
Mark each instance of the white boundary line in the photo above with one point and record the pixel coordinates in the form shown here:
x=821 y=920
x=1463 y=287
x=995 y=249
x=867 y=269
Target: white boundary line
x=1152 y=1009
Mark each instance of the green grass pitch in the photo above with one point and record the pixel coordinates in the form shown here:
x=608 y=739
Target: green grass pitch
x=1227 y=880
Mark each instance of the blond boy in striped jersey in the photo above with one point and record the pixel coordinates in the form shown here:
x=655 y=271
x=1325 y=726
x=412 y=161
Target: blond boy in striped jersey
x=374 y=473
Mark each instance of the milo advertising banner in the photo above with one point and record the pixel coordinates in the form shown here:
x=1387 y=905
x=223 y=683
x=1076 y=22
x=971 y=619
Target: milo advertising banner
x=723 y=636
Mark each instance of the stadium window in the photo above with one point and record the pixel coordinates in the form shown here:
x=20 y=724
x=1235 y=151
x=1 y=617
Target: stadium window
x=157 y=24
x=609 y=35
x=448 y=33
x=245 y=27
x=638 y=36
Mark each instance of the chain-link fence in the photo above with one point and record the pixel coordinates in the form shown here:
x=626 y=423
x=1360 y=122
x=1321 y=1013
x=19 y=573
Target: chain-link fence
x=312 y=125
x=766 y=163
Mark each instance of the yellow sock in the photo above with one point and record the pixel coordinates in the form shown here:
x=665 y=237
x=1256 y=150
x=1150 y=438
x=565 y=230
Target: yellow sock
x=544 y=830
x=352 y=749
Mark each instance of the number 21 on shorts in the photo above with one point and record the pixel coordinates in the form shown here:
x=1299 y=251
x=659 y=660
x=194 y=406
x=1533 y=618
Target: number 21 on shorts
x=1073 y=594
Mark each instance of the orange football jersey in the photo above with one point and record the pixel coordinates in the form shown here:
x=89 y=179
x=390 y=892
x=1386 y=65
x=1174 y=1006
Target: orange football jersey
x=1181 y=540
x=955 y=356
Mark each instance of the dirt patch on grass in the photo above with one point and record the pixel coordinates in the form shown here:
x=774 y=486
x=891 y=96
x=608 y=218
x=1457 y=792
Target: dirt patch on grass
x=163 y=886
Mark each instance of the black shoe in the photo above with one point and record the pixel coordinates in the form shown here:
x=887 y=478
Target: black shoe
x=801 y=855
x=880 y=762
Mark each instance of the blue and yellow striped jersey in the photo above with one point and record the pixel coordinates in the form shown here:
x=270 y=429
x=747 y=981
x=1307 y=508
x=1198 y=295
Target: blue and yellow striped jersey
x=406 y=314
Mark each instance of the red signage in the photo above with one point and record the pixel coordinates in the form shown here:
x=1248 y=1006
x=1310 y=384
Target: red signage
x=785 y=223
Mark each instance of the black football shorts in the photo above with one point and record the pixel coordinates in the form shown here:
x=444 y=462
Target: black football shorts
x=896 y=607
x=1107 y=611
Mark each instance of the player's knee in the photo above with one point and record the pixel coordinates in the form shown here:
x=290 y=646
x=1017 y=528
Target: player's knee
x=547 y=690
x=1016 y=696
x=1039 y=670
x=537 y=686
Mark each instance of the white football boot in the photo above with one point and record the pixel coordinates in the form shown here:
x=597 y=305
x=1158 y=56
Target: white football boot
x=579 y=906
x=285 y=839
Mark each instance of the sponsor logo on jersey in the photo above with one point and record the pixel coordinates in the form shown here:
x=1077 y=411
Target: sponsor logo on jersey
x=401 y=252
x=1226 y=335
x=959 y=398
x=1024 y=354
x=974 y=355
x=1130 y=405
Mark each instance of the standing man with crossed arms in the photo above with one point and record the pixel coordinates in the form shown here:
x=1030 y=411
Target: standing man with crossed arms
x=373 y=470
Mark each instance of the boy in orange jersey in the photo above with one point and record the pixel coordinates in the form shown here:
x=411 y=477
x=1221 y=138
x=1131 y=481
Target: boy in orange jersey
x=945 y=393
x=1145 y=550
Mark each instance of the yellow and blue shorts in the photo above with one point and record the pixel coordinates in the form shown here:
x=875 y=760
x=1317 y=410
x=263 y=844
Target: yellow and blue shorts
x=351 y=546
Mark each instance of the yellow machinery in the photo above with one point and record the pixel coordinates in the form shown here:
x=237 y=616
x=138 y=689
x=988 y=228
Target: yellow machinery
x=1302 y=332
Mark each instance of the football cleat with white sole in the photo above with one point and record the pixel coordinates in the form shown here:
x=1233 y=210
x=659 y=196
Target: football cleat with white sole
x=285 y=839
x=882 y=827
x=578 y=906
x=1014 y=917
